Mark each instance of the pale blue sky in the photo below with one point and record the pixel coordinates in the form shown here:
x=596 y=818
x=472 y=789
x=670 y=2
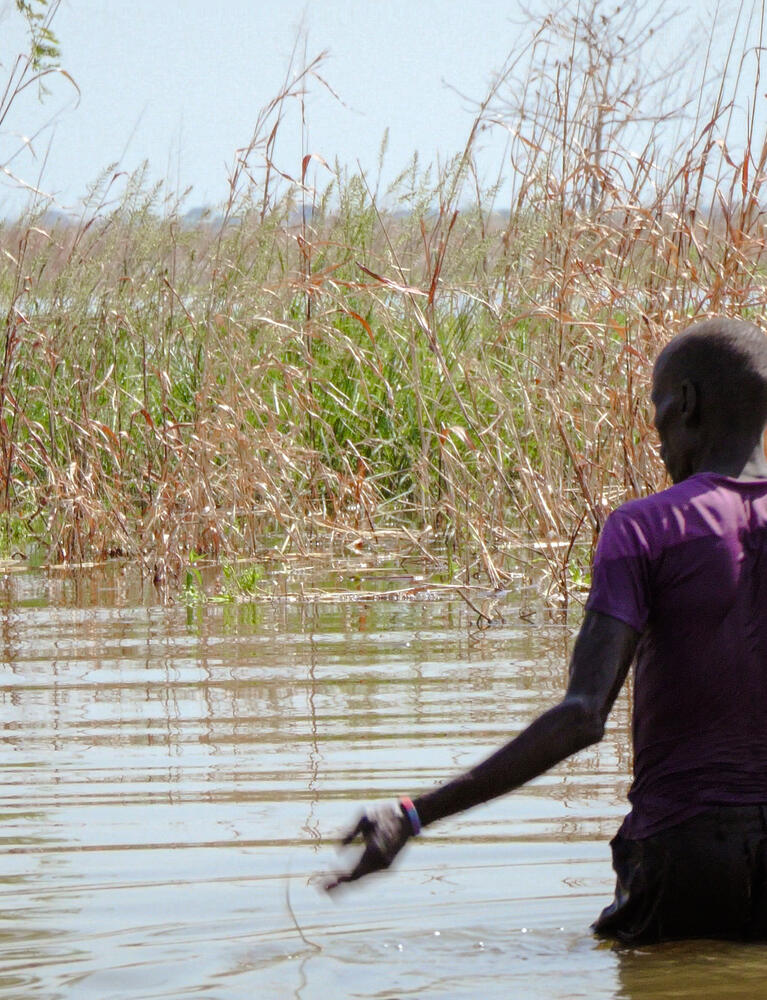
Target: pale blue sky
x=180 y=84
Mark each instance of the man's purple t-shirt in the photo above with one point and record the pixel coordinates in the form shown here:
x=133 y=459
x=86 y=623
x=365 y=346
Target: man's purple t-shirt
x=687 y=568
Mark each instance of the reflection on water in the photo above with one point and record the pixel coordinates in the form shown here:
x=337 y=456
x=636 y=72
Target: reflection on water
x=173 y=778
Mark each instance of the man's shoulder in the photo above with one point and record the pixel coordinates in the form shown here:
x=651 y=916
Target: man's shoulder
x=657 y=504
x=704 y=490
x=703 y=506
x=650 y=524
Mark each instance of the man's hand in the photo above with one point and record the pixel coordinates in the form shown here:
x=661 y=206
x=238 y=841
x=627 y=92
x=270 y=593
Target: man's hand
x=384 y=833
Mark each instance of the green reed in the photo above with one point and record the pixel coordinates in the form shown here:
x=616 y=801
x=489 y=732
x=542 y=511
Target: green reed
x=320 y=366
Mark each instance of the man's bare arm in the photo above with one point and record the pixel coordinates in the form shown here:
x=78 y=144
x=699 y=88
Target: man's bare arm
x=599 y=664
x=601 y=659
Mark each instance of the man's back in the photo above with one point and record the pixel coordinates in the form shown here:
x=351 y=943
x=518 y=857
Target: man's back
x=687 y=567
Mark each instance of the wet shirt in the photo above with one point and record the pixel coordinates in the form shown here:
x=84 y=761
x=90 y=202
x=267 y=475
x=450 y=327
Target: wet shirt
x=687 y=568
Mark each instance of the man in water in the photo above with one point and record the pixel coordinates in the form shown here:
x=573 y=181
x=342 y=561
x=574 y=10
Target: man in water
x=680 y=588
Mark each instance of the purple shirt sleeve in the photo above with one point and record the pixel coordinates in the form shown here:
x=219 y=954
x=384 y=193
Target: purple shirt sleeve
x=621 y=575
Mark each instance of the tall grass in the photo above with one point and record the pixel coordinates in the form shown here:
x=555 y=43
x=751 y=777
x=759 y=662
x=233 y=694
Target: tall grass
x=309 y=367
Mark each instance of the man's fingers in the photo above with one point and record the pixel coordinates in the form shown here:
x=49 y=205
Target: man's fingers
x=352 y=834
x=384 y=834
x=333 y=882
x=343 y=877
x=363 y=827
x=371 y=861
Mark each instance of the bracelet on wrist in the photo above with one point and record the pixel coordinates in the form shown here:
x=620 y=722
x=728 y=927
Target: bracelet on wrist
x=411 y=812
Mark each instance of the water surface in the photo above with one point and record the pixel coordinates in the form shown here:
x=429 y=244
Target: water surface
x=174 y=777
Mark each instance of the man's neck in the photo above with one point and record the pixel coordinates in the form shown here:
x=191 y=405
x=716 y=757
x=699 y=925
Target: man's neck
x=747 y=467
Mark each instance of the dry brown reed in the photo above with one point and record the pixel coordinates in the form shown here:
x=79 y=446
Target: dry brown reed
x=315 y=369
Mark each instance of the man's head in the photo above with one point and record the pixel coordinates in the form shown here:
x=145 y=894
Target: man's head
x=710 y=396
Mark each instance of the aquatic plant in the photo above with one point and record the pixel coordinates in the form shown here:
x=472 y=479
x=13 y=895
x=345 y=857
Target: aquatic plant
x=316 y=367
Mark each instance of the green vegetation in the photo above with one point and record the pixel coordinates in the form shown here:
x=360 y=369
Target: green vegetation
x=325 y=368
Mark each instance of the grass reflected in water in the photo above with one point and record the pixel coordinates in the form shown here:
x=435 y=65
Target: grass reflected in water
x=171 y=786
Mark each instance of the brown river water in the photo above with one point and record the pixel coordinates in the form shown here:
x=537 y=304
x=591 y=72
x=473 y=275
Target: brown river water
x=173 y=778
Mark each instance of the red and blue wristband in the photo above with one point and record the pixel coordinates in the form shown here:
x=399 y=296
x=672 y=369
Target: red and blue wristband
x=411 y=812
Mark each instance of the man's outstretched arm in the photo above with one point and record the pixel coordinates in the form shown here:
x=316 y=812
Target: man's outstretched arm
x=599 y=664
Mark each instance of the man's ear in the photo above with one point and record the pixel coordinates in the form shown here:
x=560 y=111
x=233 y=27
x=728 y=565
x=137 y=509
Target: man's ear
x=689 y=401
